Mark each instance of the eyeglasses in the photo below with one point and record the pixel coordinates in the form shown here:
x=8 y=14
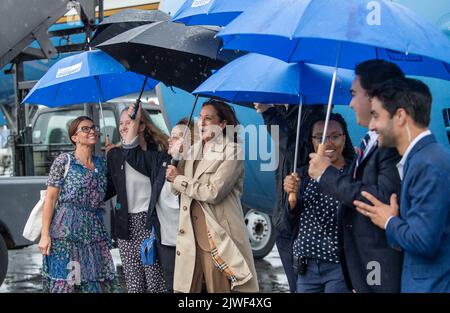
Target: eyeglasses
x=87 y=129
x=333 y=138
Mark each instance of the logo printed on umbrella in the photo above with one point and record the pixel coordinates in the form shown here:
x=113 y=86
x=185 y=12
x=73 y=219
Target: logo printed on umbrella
x=199 y=3
x=374 y=16
x=65 y=71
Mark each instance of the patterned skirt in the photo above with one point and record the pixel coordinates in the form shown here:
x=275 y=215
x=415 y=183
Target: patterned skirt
x=139 y=278
x=80 y=260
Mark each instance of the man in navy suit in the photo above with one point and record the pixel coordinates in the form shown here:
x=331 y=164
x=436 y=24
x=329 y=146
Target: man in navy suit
x=368 y=262
x=400 y=116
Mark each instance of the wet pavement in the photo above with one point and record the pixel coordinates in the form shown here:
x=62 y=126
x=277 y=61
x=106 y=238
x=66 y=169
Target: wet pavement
x=24 y=271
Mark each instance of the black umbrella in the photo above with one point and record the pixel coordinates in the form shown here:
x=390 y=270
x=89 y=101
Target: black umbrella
x=175 y=54
x=126 y=20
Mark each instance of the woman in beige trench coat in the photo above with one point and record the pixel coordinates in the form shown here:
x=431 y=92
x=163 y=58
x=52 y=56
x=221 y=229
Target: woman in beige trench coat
x=212 y=242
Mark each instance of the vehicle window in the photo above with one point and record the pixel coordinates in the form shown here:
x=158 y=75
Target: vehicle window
x=158 y=119
x=110 y=129
x=51 y=127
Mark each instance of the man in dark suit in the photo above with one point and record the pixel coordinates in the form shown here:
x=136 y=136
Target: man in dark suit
x=369 y=264
x=401 y=115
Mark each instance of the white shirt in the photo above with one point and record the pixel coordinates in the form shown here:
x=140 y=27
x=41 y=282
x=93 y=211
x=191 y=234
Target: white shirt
x=401 y=164
x=139 y=189
x=168 y=210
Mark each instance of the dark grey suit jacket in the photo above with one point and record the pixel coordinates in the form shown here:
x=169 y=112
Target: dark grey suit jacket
x=363 y=246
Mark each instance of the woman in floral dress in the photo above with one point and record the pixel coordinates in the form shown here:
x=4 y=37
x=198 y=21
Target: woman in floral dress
x=74 y=241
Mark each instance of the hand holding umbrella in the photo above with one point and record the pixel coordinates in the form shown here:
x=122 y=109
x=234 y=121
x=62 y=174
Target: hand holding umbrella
x=134 y=110
x=291 y=185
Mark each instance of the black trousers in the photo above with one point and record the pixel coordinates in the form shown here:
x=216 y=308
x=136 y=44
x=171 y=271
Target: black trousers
x=166 y=256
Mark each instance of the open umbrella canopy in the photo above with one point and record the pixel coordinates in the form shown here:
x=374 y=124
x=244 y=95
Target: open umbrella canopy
x=88 y=77
x=125 y=20
x=211 y=12
x=259 y=78
x=175 y=54
x=320 y=31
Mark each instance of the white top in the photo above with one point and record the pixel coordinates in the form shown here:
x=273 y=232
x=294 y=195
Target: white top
x=402 y=162
x=139 y=189
x=168 y=210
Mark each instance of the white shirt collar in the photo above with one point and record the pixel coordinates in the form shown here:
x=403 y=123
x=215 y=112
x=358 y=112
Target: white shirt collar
x=373 y=135
x=401 y=164
x=373 y=139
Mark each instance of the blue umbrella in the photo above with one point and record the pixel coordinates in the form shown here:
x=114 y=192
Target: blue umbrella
x=341 y=34
x=352 y=31
x=91 y=76
x=259 y=78
x=210 y=12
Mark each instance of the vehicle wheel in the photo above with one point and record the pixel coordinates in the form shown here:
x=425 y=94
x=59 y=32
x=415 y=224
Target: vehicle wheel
x=260 y=232
x=3 y=260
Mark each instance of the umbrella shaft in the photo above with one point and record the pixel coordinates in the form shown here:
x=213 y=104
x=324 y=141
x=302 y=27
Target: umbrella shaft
x=299 y=120
x=330 y=99
x=173 y=161
x=190 y=117
x=100 y=99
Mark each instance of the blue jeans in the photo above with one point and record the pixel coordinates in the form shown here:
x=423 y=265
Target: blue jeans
x=322 y=277
x=284 y=246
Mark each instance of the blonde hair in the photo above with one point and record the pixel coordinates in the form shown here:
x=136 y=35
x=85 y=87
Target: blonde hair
x=152 y=134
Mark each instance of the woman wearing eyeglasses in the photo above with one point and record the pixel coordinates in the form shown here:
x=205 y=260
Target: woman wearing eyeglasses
x=314 y=218
x=74 y=241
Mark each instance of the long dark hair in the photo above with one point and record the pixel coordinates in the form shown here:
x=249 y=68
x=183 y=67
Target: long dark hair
x=349 y=150
x=225 y=112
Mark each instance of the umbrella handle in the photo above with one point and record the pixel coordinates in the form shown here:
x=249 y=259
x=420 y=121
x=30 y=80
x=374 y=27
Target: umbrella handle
x=292 y=200
x=138 y=100
x=321 y=150
x=136 y=108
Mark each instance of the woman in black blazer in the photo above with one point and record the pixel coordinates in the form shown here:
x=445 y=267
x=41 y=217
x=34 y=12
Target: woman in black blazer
x=134 y=214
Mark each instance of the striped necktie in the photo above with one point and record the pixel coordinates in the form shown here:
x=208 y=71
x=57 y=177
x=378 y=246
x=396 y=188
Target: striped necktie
x=361 y=150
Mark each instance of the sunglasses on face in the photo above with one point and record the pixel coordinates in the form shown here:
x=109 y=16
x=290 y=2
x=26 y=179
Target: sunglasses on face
x=87 y=129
